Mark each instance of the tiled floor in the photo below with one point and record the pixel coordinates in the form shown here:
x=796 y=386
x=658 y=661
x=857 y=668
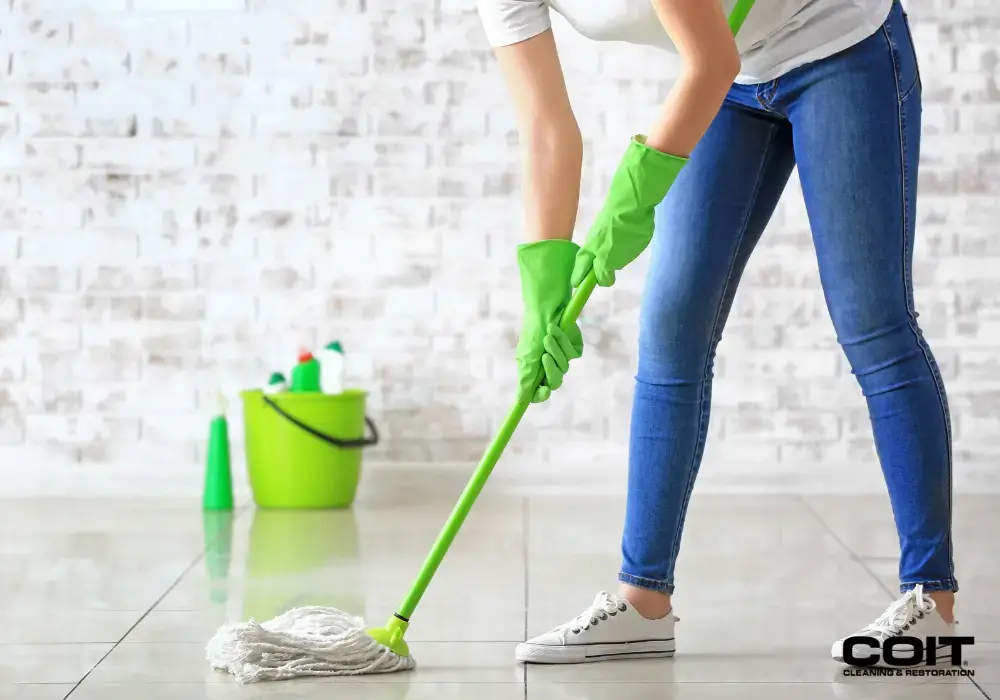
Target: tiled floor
x=115 y=600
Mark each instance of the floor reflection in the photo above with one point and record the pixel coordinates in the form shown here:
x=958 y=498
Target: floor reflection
x=218 y=531
x=290 y=553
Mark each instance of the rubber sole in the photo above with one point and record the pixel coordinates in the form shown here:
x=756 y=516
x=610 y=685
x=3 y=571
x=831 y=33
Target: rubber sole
x=590 y=653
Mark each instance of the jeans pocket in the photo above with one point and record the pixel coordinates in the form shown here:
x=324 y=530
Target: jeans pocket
x=912 y=51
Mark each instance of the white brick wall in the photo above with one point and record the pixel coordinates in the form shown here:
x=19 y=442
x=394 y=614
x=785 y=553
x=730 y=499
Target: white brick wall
x=191 y=189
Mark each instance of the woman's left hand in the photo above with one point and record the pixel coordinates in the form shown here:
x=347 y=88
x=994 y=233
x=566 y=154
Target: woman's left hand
x=624 y=227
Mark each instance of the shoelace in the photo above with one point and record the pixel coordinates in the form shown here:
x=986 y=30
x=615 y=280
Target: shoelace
x=604 y=606
x=899 y=616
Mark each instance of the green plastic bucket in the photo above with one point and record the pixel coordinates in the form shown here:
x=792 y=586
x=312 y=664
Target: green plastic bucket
x=303 y=450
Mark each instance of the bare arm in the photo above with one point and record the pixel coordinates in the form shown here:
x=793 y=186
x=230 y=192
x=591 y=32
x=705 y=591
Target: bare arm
x=701 y=33
x=551 y=144
x=552 y=147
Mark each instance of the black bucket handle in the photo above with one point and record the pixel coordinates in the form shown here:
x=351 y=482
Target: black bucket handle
x=329 y=439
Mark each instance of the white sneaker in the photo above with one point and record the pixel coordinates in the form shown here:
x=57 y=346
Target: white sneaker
x=609 y=629
x=913 y=615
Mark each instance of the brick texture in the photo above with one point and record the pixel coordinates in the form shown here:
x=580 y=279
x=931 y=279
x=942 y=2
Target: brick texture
x=190 y=190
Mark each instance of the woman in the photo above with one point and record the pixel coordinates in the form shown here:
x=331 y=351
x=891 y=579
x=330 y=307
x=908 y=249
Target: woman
x=829 y=85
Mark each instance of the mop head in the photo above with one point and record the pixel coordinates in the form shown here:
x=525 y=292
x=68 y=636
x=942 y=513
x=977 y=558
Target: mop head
x=309 y=641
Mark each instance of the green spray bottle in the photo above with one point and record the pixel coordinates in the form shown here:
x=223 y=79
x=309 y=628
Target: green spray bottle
x=305 y=375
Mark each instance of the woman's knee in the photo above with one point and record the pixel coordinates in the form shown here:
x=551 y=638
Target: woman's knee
x=676 y=335
x=888 y=356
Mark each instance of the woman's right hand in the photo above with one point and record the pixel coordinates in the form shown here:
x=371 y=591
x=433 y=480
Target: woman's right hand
x=545 y=348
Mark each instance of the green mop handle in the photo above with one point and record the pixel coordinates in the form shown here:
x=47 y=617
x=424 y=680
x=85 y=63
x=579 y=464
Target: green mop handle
x=739 y=15
x=496 y=448
x=472 y=490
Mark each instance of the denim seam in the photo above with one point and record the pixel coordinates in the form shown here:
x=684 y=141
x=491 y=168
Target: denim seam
x=917 y=82
x=769 y=89
x=702 y=424
x=908 y=295
x=650 y=584
x=939 y=585
x=893 y=54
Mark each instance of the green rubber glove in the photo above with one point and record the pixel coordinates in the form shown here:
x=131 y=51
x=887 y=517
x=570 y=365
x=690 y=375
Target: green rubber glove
x=543 y=346
x=624 y=227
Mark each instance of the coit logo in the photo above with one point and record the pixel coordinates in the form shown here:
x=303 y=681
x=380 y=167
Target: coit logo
x=905 y=651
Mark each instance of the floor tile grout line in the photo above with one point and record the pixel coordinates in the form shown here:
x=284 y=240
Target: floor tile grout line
x=871 y=573
x=850 y=553
x=142 y=617
x=980 y=688
x=236 y=515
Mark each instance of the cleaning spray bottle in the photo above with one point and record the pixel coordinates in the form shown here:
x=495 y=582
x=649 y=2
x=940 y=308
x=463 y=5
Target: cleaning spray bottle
x=331 y=362
x=218 y=491
x=305 y=375
x=276 y=384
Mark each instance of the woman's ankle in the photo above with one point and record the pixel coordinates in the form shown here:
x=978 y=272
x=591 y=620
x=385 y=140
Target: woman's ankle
x=651 y=605
x=944 y=603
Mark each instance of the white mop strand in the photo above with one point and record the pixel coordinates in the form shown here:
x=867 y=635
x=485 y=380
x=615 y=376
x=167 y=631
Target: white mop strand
x=308 y=641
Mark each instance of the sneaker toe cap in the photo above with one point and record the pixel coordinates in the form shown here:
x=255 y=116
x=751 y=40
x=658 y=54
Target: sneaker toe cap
x=549 y=639
x=547 y=652
x=543 y=648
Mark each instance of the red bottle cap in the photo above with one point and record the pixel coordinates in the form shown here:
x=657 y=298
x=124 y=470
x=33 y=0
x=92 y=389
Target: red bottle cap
x=305 y=356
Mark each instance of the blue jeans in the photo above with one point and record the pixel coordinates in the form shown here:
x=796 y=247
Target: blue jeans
x=852 y=124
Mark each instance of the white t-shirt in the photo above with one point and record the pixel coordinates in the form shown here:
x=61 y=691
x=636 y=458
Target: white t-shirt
x=778 y=35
